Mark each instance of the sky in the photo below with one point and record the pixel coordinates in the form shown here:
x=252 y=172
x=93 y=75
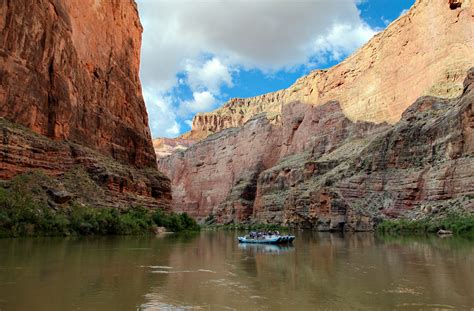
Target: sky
x=197 y=54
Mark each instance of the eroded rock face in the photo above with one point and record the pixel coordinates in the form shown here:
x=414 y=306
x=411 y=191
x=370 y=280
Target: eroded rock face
x=425 y=52
x=96 y=179
x=454 y=4
x=69 y=71
x=204 y=174
x=345 y=147
x=71 y=105
x=318 y=169
x=423 y=164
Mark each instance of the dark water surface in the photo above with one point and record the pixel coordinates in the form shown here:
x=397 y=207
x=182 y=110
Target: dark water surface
x=211 y=271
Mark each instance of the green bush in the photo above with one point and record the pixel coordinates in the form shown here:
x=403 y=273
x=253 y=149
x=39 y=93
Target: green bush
x=458 y=224
x=175 y=222
x=21 y=215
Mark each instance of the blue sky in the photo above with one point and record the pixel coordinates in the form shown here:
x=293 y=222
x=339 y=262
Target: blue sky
x=198 y=54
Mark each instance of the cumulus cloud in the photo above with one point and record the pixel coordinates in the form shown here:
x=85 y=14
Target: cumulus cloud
x=208 y=76
x=164 y=124
x=266 y=34
x=189 y=122
x=201 y=102
x=207 y=42
x=341 y=40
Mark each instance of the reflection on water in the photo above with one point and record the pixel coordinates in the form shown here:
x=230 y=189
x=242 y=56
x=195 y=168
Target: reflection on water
x=266 y=248
x=211 y=270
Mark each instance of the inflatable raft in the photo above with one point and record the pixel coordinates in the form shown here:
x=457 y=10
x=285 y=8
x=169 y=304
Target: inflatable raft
x=269 y=239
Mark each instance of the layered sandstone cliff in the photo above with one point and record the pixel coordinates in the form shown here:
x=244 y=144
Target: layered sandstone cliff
x=320 y=170
x=424 y=52
x=345 y=147
x=90 y=177
x=71 y=101
x=69 y=71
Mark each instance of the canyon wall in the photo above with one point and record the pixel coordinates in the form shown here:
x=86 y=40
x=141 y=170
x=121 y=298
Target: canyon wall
x=346 y=147
x=69 y=71
x=71 y=101
x=423 y=165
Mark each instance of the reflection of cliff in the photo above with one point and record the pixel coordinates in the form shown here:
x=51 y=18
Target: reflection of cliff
x=208 y=270
x=345 y=147
x=326 y=271
x=356 y=271
x=90 y=274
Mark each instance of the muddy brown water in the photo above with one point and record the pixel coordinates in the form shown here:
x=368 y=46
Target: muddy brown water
x=211 y=271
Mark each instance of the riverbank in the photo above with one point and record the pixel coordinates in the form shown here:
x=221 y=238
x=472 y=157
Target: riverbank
x=458 y=224
x=26 y=209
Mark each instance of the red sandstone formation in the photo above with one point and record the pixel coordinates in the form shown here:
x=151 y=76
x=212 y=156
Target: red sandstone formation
x=97 y=179
x=69 y=77
x=345 y=147
x=69 y=71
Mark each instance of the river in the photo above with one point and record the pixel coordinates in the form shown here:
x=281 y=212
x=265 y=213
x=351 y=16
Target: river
x=211 y=271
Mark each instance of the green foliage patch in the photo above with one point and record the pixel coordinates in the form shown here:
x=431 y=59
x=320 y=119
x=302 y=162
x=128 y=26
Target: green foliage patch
x=24 y=213
x=457 y=223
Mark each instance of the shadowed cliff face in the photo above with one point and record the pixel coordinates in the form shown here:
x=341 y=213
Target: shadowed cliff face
x=318 y=169
x=425 y=52
x=422 y=165
x=71 y=101
x=69 y=71
x=219 y=175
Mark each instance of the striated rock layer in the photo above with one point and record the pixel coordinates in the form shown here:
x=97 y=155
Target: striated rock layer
x=71 y=101
x=386 y=133
x=423 y=164
x=424 y=52
x=69 y=71
x=320 y=170
x=94 y=179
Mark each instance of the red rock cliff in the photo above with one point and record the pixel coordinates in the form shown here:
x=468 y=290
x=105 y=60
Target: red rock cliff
x=71 y=104
x=344 y=147
x=69 y=71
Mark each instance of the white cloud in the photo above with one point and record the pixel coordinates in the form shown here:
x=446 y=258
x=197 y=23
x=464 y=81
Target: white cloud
x=263 y=34
x=164 y=122
x=201 y=102
x=208 y=76
x=206 y=42
x=341 y=40
x=386 y=21
x=189 y=122
x=404 y=11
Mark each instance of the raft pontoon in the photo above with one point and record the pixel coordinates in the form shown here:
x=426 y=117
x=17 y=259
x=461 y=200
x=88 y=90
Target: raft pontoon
x=268 y=239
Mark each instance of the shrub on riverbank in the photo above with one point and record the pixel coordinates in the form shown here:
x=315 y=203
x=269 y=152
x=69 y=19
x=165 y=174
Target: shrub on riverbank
x=22 y=215
x=458 y=224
